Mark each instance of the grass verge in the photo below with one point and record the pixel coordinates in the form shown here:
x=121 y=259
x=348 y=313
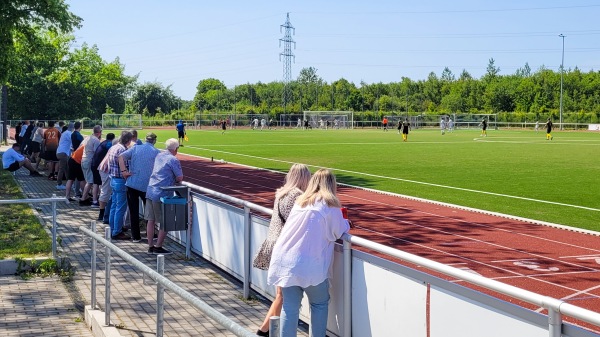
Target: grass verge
x=21 y=234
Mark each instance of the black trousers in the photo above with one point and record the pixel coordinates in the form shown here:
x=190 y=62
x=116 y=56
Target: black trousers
x=133 y=202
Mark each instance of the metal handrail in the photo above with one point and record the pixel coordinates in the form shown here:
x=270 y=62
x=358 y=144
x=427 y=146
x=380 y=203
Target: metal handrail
x=165 y=283
x=555 y=306
x=53 y=200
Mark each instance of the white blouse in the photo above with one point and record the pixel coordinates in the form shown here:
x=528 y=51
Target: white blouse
x=303 y=252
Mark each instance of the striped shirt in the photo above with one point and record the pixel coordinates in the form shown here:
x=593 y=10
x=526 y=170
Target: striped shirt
x=113 y=160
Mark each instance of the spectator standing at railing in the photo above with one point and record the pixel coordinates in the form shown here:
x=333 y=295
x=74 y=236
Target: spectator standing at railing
x=26 y=141
x=166 y=172
x=303 y=254
x=36 y=143
x=296 y=181
x=76 y=137
x=136 y=164
x=118 y=207
x=90 y=144
x=63 y=153
x=50 y=144
x=102 y=178
x=18 y=129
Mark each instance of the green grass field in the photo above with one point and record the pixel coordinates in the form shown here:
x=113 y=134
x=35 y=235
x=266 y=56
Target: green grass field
x=511 y=172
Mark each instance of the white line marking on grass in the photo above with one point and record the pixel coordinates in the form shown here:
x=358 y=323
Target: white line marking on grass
x=412 y=181
x=581 y=142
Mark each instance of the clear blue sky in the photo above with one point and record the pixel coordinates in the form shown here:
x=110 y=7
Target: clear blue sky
x=181 y=42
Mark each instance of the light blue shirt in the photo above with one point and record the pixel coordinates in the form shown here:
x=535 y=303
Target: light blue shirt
x=11 y=156
x=64 y=144
x=141 y=162
x=166 y=169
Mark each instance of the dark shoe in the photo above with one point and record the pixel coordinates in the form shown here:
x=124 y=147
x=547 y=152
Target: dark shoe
x=35 y=174
x=121 y=236
x=161 y=251
x=85 y=202
x=151 y=250
x=106 y=222
x=262 y=333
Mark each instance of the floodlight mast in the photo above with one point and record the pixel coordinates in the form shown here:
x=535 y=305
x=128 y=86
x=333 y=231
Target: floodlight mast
x=288 y=55
x=562 y=70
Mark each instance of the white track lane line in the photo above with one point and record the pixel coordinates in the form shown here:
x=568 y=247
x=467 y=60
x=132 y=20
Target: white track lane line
x=518 y=275
x=473 y=223
x=413 y=224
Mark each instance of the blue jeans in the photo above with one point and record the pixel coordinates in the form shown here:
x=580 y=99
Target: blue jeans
x=318 y=298
x=118 y=206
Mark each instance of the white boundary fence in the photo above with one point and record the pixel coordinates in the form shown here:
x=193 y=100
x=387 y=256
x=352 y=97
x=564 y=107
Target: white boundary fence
x=371 y=296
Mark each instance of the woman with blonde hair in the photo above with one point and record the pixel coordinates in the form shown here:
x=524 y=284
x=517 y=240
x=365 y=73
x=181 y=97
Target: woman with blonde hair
x=303 y=254
x=296 y=181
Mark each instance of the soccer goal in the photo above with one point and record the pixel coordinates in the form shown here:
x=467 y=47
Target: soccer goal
x=469 y=121
x=122 y=121
x=329 y=119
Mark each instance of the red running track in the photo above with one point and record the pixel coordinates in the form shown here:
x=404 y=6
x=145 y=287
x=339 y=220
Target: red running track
x=550 y=261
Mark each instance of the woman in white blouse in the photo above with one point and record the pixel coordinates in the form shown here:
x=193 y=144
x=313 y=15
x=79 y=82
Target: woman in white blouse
x=296 y=181
x=303 y=253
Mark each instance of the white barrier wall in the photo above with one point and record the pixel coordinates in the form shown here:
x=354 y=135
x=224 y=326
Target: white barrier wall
x=387 y=299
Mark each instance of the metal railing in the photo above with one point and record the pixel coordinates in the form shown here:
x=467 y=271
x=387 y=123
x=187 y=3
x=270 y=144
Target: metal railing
x=554 y=306
x=157 y=276
x=53 y=200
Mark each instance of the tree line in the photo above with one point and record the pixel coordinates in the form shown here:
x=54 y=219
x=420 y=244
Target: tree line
x=47 y=79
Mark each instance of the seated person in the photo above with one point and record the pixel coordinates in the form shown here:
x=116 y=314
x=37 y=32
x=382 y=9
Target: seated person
x=12 y=160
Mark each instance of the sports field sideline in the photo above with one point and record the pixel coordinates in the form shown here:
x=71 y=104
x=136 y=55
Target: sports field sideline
x=512 y=172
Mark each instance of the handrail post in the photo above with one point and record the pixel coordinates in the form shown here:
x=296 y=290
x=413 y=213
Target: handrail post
x=54 y=227
x=347 y=254
x=247 y=255
x=160 y=296
x=554 y=322
x=275 y=326
x=188 y=241
x=107 y=278
x=93 y=290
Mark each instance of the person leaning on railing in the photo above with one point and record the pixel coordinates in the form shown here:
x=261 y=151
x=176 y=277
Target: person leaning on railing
x=303 y=254
x=296 y=181
x=166 y=172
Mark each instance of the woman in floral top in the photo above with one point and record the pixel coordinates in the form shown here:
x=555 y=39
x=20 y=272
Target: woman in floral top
x=296 y=181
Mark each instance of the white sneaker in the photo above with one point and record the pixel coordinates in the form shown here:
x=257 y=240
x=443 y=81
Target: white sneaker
x=61 y=187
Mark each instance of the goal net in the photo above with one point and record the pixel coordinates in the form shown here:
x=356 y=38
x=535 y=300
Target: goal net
x=122 y=121
x=329 y=119
x=470 y=121
x=233 y=120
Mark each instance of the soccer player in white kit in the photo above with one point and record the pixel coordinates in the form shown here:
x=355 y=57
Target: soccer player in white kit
x=443 y=126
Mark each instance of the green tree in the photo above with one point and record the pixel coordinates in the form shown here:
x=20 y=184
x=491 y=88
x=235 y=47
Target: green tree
x=153 y=98
x=20 y=17
x=208 y=94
